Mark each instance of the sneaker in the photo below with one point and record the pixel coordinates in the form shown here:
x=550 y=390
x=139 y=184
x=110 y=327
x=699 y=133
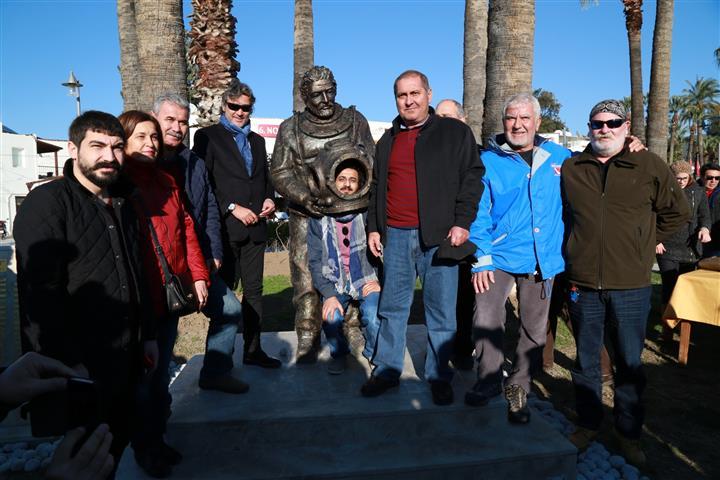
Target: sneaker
x=481 y=394
x=442 y=392
x=518 y=411
x=337 y=365
x=582 y=437
x=224 y=383
x=376 y=386
x=631 y=450
x=261 y=359
x=153 y=462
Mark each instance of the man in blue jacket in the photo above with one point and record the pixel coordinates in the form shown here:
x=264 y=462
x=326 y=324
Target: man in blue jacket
x=223 y=308
x=519 y=232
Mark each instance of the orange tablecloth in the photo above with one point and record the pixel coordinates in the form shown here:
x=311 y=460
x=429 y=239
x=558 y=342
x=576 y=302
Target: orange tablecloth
x=696 y=298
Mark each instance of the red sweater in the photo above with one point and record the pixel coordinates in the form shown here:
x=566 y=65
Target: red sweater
x=402 y=199
x=174 y=228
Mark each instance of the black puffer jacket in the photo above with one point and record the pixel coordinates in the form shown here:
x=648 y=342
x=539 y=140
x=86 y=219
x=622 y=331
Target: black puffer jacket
x=683 y=245
x=80 y=301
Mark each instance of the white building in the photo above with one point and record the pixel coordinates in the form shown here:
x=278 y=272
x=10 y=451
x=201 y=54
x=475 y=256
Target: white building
x=24 y=159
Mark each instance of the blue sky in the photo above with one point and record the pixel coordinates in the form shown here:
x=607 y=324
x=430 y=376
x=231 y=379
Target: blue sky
x=580 y=54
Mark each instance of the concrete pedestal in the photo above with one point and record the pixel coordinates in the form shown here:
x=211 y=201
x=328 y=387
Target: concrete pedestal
x=299 y=422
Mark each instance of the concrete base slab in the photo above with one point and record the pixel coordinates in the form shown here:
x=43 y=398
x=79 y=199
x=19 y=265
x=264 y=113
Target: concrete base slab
x=300 y=422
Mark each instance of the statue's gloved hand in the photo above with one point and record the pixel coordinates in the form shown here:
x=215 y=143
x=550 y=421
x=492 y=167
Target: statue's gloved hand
x=312 y=208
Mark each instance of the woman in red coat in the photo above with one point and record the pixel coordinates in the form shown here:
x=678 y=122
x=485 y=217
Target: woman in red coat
x=160 y=200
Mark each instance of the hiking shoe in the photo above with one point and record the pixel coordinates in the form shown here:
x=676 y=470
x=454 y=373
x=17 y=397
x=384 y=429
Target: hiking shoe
x=582 y=437
x=337 y=365
x=481 y=394
x=442 y=392
x=631 y=450
x=518 y=411
x=224 y=383
x=376 y=386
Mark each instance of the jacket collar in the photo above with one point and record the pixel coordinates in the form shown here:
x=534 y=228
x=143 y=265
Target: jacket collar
x=398 y=125
x=122 y=188
x=622 y=159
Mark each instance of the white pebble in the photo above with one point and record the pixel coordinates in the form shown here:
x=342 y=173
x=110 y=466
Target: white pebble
x=17 y=465
x=17 y=453
x=616 y=461
x=604 y=465
x=32 y=465
x=28 y=454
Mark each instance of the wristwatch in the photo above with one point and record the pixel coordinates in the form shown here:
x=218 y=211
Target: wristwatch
x=231 y=207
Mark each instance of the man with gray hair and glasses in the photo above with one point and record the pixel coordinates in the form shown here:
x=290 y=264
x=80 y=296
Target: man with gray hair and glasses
x=223 y=308
x=518 y=231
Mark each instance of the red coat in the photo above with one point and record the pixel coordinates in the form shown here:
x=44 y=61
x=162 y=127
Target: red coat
x=161 y=200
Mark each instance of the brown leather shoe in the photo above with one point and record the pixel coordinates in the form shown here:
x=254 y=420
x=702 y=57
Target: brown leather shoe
x=224 y=383
x=631 y=449
x=582 y=437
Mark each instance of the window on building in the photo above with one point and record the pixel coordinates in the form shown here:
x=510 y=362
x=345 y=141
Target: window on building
x=18 y=155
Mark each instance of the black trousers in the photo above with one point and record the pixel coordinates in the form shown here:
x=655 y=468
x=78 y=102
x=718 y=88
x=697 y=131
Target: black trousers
x=244 y=262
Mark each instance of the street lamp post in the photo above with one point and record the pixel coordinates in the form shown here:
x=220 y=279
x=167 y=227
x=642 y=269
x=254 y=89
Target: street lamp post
x=74 y=85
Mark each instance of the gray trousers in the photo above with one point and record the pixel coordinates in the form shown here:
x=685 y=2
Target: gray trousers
x=489 y=328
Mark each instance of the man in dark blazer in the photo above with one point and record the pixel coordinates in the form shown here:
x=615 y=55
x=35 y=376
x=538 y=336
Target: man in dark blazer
x=237 y=162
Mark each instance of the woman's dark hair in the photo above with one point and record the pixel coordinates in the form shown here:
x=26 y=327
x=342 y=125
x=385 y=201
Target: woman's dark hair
x=130 y=120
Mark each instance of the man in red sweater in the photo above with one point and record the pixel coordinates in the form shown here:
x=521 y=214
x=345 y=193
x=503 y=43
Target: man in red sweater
x=425 y=189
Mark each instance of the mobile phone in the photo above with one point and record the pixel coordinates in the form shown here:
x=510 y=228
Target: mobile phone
x=52 y=414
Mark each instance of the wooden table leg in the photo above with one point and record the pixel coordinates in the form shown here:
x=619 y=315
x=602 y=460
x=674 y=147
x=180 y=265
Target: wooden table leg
x=684 y=342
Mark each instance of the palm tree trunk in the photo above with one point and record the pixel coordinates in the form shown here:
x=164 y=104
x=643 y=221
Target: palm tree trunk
x=304 y=49
x=161 y=49
x=511 y=31
x=700 y=142
x=474 y=63
x=633 y=23
x=673 y=140
x=212 y=49
x=129 y=63
x=659 y=102
x=691 y=144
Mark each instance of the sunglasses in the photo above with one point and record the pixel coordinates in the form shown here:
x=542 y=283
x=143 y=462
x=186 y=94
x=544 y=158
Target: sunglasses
x=614 y=123
x=711 y=177
x=236 y=106
x=345 y=231
x=682 y=179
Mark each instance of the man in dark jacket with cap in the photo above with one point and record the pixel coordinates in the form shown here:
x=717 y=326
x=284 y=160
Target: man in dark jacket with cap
x=618 y=205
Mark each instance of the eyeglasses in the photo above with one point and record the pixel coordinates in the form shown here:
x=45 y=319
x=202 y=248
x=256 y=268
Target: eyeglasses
x=709 y=178
x=236 y=106
x=599 y=124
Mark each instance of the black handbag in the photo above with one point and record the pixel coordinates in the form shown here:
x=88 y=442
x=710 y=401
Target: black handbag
x=179 y=301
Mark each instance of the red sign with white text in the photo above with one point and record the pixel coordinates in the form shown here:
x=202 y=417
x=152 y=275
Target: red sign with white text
x=268 y=130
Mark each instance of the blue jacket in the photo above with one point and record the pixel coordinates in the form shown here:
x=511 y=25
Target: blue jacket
x=203 y=206
x=519 y=221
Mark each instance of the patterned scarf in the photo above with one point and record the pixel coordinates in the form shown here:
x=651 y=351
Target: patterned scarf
x=240 y=136
x=361 y=271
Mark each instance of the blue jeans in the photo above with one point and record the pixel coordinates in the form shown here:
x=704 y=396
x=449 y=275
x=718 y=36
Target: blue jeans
x=333 y=328
x=405 y=259
x=225 y=313
x=153 y=396
x=621 y=316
